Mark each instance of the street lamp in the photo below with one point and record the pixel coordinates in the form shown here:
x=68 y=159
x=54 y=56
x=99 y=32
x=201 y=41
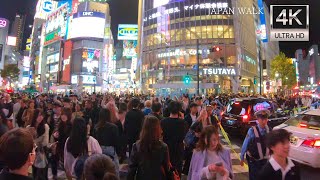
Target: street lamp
x=48 y=76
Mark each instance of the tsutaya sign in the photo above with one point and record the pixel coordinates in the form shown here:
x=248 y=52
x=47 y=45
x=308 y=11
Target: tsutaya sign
x=219 y=71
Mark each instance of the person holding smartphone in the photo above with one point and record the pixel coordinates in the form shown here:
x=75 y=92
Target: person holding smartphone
x=210 y=160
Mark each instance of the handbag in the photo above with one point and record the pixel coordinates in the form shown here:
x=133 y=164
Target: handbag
x=190 y=139
x=172 y=173
x=41 y=160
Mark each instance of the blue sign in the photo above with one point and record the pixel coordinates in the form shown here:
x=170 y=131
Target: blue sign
x=47 y=6
x=89 y=14
x=262 y=26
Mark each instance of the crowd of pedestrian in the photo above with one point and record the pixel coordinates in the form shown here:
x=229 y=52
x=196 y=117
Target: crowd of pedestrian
x=89 y=136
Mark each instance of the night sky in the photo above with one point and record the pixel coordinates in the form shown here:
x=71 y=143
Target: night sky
x=126 y=12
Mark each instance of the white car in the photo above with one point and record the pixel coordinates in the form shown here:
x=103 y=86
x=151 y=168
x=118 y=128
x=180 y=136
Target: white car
x=305 y=138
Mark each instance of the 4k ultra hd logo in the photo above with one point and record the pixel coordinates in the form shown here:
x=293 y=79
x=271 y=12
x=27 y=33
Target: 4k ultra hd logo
x=289 y=22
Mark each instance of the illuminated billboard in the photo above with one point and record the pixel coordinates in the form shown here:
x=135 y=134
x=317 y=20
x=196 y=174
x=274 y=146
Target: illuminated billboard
x=90 y=60
x=12 y=41
x=88 y=24
x=86 y=79
x=128 y=32
x=157 y=3
x=129 y=48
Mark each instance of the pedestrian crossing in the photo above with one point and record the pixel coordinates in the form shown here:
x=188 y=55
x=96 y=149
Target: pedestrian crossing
x=240 y=172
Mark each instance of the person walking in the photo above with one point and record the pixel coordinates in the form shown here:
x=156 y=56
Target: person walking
x=133 y=123
x=41 y=133
x=254 y=145
x=279 y=166
x=149 y=158
x=18 y=153
x=107 y=135
x=174 y=130
x=210 y=160
x=77 y=146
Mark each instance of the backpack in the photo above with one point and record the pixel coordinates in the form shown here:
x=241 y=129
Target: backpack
x=79 y=163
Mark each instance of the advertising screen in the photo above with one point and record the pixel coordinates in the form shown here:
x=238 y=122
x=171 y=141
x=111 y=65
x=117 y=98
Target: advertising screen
x=90 y=60
x=128 y=32
x=129 y=48
x=86 y=79
x=88 y=24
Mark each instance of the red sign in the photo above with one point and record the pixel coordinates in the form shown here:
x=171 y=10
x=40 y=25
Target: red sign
x=66 y=69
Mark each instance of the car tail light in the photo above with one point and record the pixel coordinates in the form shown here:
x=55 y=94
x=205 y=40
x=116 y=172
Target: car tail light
x=312 y=143
x=245 y=118
x=303 y=125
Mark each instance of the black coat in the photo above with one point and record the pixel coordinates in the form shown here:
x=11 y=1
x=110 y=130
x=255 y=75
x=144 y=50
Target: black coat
x=107 y=135
x=133 y=124
x=174 y=132
x=154 y=167
x=268 y=173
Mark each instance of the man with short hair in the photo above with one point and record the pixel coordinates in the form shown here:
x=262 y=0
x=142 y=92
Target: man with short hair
x=17 y=153
x=174 y=130
x=133 y=123
x=156 y=110
x=192 y=117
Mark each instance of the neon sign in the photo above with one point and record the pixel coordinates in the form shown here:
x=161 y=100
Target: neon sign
x=261 y=106
x=219 y=71
x=3 y=23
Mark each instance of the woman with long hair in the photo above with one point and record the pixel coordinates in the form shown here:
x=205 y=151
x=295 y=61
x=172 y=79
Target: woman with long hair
x=77 y=145
x=107 y=135
x=28 y=113
x=77 y=112
x=41 y=134
x=59 y=138
x=210 y=160
x=150 y=157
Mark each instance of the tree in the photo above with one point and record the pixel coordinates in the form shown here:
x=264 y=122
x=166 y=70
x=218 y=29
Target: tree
x=284 y=68
x=11 y=72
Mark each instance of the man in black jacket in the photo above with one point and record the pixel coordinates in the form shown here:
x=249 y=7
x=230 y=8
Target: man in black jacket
x=192 y=117
x=133 y=123
x=174 y=130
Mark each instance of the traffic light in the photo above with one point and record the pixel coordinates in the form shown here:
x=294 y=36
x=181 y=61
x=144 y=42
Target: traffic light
x=254 y=80
x=215 y=49
x=187 y=79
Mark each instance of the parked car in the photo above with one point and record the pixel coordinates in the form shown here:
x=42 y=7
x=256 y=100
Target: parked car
x=239 y=115
x=305 y=138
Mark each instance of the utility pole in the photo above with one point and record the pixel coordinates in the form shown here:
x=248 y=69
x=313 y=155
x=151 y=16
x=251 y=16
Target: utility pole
x=198 y=69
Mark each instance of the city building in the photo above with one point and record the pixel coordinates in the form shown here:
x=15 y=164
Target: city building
x=123 y=79
x=4 y=29
x=308 y=67
x=17 y=30
x=91 y=62
x=176 y=34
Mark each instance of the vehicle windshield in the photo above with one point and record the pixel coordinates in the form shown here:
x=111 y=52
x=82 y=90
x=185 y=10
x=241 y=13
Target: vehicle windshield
x=248 y=106
x=305 y=121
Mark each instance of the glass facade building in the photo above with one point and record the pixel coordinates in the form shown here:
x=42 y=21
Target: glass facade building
x=172 y=32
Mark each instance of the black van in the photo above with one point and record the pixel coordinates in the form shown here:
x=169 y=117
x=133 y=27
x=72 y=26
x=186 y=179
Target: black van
x=239 y=115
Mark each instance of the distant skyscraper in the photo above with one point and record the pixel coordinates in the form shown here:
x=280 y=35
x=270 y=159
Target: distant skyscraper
x=18 y=29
